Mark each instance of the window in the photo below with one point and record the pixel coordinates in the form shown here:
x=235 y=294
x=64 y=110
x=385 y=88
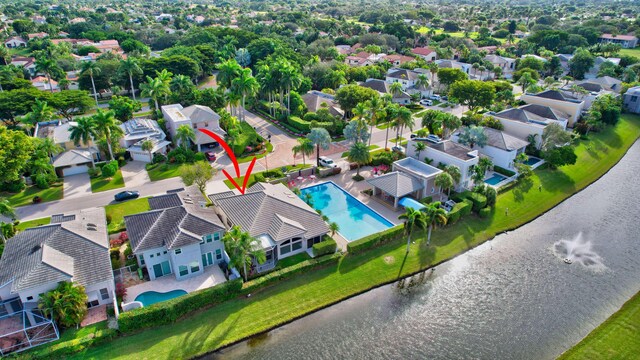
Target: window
x=141 y=257
x=195 y=267
x=216 y=236
x=218 y=254
x=29 y=298
x=151 y=256
x=209 y=238
x=195 y=126
x=178 y=251
x=433 y=190
x=634 y=98
x=158 y=254
x=296 y=244
x=104 y=294
x=165 y=252
x=183 y=270
x=285 y=248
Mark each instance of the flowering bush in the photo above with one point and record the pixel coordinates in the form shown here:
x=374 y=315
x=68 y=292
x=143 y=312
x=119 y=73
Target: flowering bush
x=115 y=243
x=121 y=291
x=124 y=236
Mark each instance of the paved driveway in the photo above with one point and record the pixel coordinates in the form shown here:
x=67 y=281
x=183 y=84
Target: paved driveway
x=135 y=174
x=76 y=186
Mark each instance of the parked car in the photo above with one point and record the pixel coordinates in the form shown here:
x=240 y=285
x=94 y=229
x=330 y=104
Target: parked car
x=210 y=156
x=398 y=149
x=444 y=98
x=126 y=195
x=214 y=145
x=434 y=97
x=426 y=102
x=433 y=138
x=327 y=162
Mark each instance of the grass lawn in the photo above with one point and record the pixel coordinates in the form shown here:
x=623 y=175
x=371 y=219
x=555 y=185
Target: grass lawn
x=384 y=125
x=396 y=140
x=370 y=147
x=99 y=184
x=69 y=337
x=631 y=52
x=118 y=211
x=272 y=306
x=252 y=179
x=250 y=157
x=292 y=260
x=33 y=223
x=164 y=171
x=54 y=192
x=616 y=338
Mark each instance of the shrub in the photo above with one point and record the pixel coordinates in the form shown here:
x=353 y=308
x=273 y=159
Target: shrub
x=459 y=197
x=357 y=177
x=466 y=209
x=372 y=240
x=42 y=181
x=115 y=243
x=259 y=177
x=157 y=158
x=479 y=201
x=305 y=126
x=109 y=169
x=198 y=157
x=169 y=311
x=484 y=212
x=94 y=172
x=503 y=171
x=121 y=290
x=428 y=200
x=124 y=236
x=325 y=247
x=14 y=186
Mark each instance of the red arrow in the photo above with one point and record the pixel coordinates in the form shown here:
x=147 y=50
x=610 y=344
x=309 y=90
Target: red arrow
x=227 y=148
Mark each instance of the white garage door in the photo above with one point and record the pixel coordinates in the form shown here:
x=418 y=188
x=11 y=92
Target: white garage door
x=78 y=169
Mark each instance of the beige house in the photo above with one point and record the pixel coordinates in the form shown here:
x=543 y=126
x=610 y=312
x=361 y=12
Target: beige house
x=555 y=99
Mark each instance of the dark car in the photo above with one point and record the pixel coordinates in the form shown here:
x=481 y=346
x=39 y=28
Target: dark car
x=210 y=156
x=126 y=195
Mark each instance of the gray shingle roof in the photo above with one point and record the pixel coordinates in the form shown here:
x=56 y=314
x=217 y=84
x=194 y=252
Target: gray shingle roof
x=552 y=94
x=72 y=157
x=452 y=148
x=172 y=226
x=58 y=252
x=403 y=74
x=273 y=210
x=396 y=184
x=164 y=201
x=502 y=140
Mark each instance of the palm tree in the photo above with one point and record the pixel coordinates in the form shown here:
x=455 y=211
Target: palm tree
x=412 y=218
x=433 y=69
x=184 y=134
x=444 y=181
x=450 y=123
x=377 y=111
x=66 y=304
x=290 y=79
x=181 y=84
x=359 y=154
x=108 y=127
x=48 y=146
x=434 y=215
x=362 y=115
x=48 y=67
x=91 y=68
x=246 y=85
x=304 y=147
x=422 y=82
x=473 y=135
x=147 y=145
x=84 y=131
x=131 y=66
x=395 y=89
x=420 y=147
x=525 y=80
x=6 y=209
x=455 y=173
x=404 y=119
x=432 y=120
x=321 y=139
x=227 y=71
x=243 y=57
x=40 y=112
x=165 y=76
x=334 y=228
x=392 y=113
x=242 y=248
x=154 y=88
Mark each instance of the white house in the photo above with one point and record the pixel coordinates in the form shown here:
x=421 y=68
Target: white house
x=136 y=131
x=409 y=80
x=15 y=42
x=426 y=53
x=383 y=87
x=626 y=41
x=508 y=65
x=530 y=120
x=501 y=147
x=42 y=83
x=452 y=64
x=195 y=116
x=555 y=99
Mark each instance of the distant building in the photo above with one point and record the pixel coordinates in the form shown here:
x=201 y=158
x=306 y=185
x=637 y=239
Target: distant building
x=15 y=42
x=316 y=100
x=397 y=59
x=626 y=41
x=40 y=35
x=631 y=100
x=530 y=120
x=426 y=53
x=383 y=87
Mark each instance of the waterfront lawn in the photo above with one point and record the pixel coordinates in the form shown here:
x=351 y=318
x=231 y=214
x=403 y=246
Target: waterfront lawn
x=54 y=192
x=164 y=171
x=272 y=306
x=117 y=212
x=33 y=223
x=616 y=338
x=99 y=184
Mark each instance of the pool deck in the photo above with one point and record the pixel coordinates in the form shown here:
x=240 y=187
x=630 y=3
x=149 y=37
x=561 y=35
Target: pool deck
x=211 y=276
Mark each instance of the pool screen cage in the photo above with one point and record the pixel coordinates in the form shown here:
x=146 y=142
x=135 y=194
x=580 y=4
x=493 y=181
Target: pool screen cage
x=25 y=329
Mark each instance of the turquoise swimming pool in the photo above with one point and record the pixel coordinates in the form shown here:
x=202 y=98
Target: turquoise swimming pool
x=151 y=297
x=355 y=219
x=495 y=179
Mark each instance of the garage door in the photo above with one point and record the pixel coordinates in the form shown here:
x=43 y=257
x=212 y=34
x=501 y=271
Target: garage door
x=78 y=169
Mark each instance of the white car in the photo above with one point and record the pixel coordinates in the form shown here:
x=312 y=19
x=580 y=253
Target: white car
x=434 y=97
x=327 y=162
x=398 y=149
x=426 y=102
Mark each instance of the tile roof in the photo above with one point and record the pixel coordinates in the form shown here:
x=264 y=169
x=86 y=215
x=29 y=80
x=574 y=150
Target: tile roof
x=314 y=100
x=551 y=94
x=72 y=157
x=424 y=51
x=403 y=74
x=47 y=254
x=533 y=113
x=164 y=201
x=502 y=140
x=396 y=183
x=452 y=148
x=272 y=210
x=618 y=37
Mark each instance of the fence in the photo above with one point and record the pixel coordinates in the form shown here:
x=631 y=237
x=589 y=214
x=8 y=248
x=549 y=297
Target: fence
x=120 y=274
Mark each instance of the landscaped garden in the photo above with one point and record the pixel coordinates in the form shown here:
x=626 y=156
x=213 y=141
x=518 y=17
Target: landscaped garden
x=99 y=184
x=266 y=175
x=25 y=197
x=117 y=212
x=163 y=171
x=355 y=273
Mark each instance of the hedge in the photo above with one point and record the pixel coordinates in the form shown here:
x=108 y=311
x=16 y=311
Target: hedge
x=304 y=125
x=461 y=209
x=372 y=240
x=503 y=171
x=289 y=271
x=325 y=247
x=169 y=311
x=485 y=212
x=459 y=197
x=466 y=210
x=479 y=201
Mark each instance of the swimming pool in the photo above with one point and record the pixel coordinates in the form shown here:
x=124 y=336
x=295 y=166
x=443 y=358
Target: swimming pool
x=355 y=219
x=495 y=179
x=151 y=297
x=532 y=161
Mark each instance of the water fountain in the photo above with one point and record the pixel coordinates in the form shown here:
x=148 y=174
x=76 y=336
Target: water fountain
x=578 y=250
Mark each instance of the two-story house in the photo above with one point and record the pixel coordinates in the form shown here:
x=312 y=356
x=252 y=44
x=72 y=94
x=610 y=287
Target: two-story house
x=501 y=147
x=530 y=120
x=195 y=116
x=179 y=237
x=557 y=100
x=75 y=159
x=136 y=131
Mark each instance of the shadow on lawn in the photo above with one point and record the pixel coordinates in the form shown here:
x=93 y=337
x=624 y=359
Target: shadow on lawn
x=523 y=187
x=556 y=181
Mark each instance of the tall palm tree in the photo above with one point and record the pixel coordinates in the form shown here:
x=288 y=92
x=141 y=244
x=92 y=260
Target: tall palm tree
x=433 y=69
x=361 y=115
x=147 y=145
x=289 y=80
x=473 y=135
x=450 y=123
x=304 y=147
x=334 y=228
x=154 y=88
x=48 y=146
x=321 y=139
x=419 y=147
x=40 y=112
x=184 y=134
x=107 y=126
x=245 y=85
x=432 y=120
x=395 y=89
x=455 y=173
x=377 y=110
x=359 y=154
x=242 y=248
x=227 y=71
x=404 y=119
x=444 y=181
x=6 y=209
x=434 y=215
x=83 y=132
x=181 y=84
x=412 y=218
x=422 y=82
x=131 y=66
x=47 y=66
x=392 y=114
x=91 y=68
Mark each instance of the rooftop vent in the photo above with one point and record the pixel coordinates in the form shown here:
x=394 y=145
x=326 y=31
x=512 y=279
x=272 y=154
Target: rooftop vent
x=35 y=249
